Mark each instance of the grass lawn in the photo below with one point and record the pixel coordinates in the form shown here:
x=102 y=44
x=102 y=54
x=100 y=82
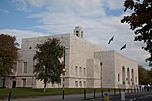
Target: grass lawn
x=29 y=92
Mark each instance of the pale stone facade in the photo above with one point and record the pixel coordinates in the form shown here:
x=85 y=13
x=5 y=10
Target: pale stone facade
x=118 y=71
x=87 y=65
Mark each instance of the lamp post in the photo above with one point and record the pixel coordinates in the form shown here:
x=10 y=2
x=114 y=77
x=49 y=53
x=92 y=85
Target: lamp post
x=64 y=70
x=63 y=84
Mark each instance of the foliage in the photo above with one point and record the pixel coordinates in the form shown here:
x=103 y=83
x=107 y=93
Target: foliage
x=48 y=66
x=140 y=20
x=145 y=76
x=8 y=53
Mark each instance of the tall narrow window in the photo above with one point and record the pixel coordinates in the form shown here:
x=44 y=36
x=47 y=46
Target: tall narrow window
x=25 y=67
x=128 y=75
x=123 y=75
x=76 y=84
x=24 y=82
x=84 y=71
x=118 y=77
x=80 y=71
x=132 y=73
x=84 y=82
x=76 y=70
x=80 y=83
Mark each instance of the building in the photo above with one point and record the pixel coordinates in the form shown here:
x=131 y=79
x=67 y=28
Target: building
x=87 y=65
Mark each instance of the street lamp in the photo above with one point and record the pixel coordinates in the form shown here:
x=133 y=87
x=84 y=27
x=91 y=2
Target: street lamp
x=64 y=70
x=63 y=84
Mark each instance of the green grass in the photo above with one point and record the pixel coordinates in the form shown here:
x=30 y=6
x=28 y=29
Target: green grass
x=29 y=92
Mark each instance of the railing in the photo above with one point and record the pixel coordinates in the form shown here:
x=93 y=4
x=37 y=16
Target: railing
x=93 y=93
x=113 y=92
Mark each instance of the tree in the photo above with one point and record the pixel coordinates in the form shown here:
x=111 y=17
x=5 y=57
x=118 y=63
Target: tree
x=150 y=75
x=145 y=76
x=140 y=21
x=8 y=54
x=48 y=66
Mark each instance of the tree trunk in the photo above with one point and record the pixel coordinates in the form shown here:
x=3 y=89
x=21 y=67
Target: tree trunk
x=44 y=90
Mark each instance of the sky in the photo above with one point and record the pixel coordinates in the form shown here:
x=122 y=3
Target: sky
x=100 y=19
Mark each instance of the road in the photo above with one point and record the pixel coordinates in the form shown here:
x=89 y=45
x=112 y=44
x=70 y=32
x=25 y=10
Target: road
x=129 y=97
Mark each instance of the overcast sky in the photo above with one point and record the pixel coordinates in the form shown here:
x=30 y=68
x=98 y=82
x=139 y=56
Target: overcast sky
x=99 y=18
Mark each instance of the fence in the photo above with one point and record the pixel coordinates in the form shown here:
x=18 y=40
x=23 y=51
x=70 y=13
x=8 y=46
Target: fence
x=86 y=93
x=112 y=92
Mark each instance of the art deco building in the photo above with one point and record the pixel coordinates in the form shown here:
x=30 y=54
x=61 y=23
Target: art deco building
x=87 y=65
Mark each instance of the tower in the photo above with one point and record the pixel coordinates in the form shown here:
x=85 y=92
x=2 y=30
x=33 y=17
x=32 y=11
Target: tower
x=78 y=31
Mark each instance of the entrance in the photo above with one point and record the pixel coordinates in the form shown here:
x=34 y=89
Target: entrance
x=3 y=83
x=13 y=84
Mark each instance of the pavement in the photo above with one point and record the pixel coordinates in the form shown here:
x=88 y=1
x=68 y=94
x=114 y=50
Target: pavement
x=147 y=96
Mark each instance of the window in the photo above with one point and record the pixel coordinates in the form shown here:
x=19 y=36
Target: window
x=118 y=77
x=123 y=75
x=80 y=83
x=132 y=73
x=76 y=84
x=77 y=31
x=24 y=82
x=25 y=67
x=80 y=70
x=77 y=35
x=84 y=82
x=30 y=47
x=84 y=71
x=14 y=68
x=128 y=75
x=76 y=70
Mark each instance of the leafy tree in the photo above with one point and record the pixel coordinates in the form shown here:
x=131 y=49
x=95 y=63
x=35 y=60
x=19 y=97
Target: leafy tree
x=150 y=75
x=49 y=66
x=145 y=76
x=8 y=54
x=140 y=21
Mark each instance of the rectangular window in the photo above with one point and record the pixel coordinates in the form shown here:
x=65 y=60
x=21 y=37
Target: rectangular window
x=84 y=82
x=80 y=83
x=118 y=77
x=24 y=82
x=76 y=70
x=25 y=67
x=80 y=71
x=76 y=84
x=84 y=71
x=14 y=67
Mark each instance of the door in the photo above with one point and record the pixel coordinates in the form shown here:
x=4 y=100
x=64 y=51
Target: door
x=13 y=84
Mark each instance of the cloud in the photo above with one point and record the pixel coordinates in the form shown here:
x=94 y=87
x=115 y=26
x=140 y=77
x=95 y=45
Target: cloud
x=21 y=4
x=61 y=16
x=20 y=34
x=83 y=7
x=4 y=11
x=114 y=4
